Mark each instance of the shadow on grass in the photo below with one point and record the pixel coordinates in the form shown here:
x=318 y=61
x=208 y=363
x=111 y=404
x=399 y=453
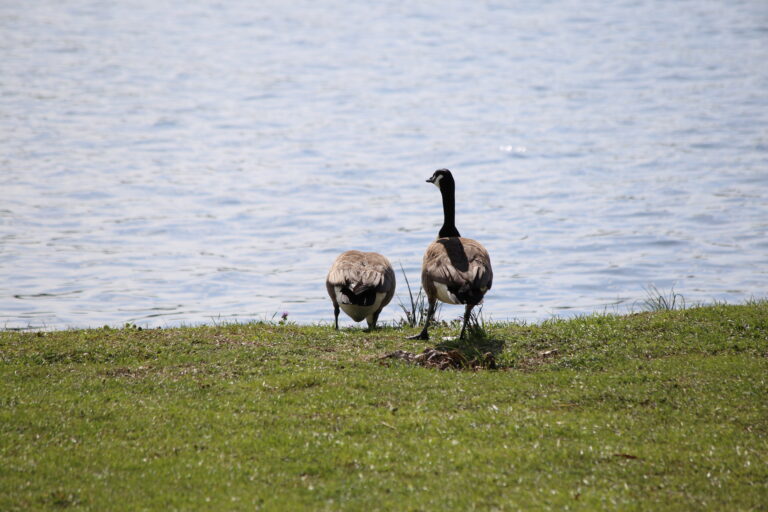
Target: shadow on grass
x=476 y=344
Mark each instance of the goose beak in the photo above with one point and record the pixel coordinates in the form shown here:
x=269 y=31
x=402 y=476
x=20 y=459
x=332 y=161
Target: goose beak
x=431 y=179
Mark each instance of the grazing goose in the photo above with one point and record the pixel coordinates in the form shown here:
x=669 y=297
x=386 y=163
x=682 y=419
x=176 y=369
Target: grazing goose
x=361 y=284
x=455 y=270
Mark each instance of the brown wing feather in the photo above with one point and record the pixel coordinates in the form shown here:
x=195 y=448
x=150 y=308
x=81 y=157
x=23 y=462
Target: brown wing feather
x=360 y=271
x=457 y=262
x=389 y=283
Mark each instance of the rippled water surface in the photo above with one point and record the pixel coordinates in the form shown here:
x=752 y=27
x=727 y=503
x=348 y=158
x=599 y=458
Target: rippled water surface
x=170 y=162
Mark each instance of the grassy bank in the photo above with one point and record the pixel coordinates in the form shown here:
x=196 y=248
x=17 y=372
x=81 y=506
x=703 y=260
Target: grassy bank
x=665 y=410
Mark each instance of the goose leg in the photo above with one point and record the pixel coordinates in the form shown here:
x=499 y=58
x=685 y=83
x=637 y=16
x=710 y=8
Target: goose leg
x=467 y=312
x=372 y=323
x=336 y=315
x=424 y=334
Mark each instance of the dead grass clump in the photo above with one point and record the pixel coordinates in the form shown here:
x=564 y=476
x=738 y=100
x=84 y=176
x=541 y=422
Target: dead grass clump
x=442 y=360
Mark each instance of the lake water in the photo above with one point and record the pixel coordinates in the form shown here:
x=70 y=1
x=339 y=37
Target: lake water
x=169 y=162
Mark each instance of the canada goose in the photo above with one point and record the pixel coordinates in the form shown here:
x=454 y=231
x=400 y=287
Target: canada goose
x=455 y=270
x=360 y=283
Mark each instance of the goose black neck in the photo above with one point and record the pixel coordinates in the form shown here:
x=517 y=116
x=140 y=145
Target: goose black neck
x=449 y=211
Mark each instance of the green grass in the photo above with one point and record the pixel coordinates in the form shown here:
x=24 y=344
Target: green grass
x=654 y=411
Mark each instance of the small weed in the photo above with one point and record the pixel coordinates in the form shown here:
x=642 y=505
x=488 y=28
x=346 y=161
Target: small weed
x=416 y=310
x=283 y=318
x=656 y=300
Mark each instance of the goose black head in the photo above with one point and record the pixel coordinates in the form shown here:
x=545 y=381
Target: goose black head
x=441 y=178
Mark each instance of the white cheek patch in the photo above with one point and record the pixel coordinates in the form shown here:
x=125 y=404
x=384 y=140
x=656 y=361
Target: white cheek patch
x=437 y=181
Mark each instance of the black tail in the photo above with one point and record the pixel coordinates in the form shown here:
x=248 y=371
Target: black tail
x=363 y=298
x=467 y=294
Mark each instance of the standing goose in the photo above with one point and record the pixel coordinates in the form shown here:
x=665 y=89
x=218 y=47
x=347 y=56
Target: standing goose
x=455 y=270
x=361 y=284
